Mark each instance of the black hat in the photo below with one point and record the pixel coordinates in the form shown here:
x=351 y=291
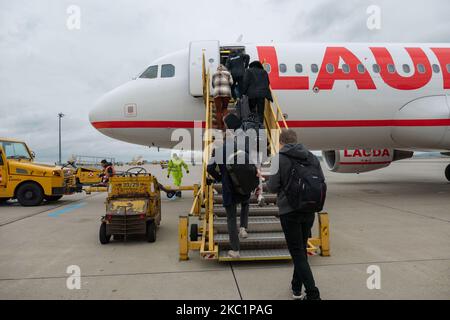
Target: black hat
x=256 y=64
x=104 y=161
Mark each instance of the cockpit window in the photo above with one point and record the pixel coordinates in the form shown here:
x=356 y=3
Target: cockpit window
x=150 y=73
x=167 y=71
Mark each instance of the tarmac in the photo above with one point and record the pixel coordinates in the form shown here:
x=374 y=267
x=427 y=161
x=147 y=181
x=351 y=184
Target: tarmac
x=396 y=219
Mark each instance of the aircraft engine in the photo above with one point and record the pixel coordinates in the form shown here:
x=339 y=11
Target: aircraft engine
x=362 y=160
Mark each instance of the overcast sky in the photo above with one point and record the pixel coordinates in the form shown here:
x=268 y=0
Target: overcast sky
x=45 y=68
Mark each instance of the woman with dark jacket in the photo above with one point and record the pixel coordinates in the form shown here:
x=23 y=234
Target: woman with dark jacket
x=256 y=87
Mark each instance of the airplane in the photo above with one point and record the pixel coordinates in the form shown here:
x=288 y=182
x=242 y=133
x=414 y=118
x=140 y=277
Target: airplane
x=364 y=105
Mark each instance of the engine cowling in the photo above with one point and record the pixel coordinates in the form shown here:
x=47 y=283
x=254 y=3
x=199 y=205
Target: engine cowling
x=362 y=160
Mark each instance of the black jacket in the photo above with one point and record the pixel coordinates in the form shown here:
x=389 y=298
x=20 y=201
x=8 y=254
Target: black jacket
x=256 y=83
x=237 y=63
x=217 y=169
x=281 y=169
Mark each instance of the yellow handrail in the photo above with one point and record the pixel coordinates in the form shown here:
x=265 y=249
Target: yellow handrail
x=280 y=115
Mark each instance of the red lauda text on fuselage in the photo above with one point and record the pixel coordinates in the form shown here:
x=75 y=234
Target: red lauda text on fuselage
x=363 y=80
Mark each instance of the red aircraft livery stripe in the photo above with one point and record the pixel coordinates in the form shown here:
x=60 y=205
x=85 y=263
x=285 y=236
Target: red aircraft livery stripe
x=291 y=123
x=145 y=124
x=367 y=123
x=363 y=163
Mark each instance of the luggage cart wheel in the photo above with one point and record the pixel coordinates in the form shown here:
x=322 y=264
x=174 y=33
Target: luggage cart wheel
x=104 y=238
x=151 y=231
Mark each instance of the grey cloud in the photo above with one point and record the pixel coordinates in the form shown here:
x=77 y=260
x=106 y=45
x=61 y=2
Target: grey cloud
x=46 y=69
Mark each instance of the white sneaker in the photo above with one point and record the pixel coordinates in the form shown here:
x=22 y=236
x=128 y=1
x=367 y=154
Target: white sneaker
x=243 y=233
x=234 y=254
x=298 y=296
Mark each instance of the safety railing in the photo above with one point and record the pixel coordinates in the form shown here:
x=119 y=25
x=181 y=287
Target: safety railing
x=274 y=122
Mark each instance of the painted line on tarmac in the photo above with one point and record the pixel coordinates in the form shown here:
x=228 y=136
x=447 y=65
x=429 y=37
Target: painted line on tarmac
x=67 y=209
x=44 y=211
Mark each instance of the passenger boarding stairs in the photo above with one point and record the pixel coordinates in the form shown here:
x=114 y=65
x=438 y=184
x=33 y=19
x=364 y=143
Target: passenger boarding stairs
x=265 y=239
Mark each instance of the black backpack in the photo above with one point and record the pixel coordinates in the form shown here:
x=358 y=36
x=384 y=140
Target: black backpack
x=251 y=123
x=306 y=188
x=243 y=176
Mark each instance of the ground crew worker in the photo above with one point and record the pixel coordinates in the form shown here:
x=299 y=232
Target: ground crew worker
x=175 y=167
x=108 y=171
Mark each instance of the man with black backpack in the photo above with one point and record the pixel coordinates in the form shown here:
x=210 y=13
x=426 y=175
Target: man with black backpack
x=298 y=180
x=231 y=165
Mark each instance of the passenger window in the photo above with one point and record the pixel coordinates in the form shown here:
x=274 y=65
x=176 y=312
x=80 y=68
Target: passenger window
x=345 y=68
x=298 y=68
x=448 y=68
x=376 y=68
x=361 y=68
x=436 y=68
x=391 y=68
x=283 y=68
x=330 y=68
x=167 y=71
x=314 y=68
x=421 y=68
x=267 y=67
x=406 y=68
x=150 y=73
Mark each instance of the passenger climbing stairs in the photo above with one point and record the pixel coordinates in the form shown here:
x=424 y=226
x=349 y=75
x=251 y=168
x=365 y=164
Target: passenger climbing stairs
x=265 y=239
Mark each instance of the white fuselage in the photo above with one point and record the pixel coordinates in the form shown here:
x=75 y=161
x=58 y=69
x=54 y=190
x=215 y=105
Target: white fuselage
x=340 y=106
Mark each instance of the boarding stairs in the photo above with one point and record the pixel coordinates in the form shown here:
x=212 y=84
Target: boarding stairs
x=265 y=239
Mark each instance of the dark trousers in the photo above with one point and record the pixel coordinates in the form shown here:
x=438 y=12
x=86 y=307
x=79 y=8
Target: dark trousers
x=297 y=228
x=257 y=106
x=232 y=222
x=236 y=87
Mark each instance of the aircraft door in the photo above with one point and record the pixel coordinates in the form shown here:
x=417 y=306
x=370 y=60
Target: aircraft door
x=211 y=49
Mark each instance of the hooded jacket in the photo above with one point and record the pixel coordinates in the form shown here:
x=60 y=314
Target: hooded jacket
x=256 y=82
x=281 y=168
x=237 y=63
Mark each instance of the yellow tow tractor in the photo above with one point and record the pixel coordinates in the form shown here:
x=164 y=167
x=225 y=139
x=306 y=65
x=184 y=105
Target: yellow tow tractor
x=86 y=169
x=133 y=206
x=29 y=182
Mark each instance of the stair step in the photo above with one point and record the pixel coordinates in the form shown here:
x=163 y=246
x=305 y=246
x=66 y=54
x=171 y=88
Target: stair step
x=218 y=188
x=268 y=197
x=267 y=211
x=255 y=224
x=257 y=254
x=259 y=240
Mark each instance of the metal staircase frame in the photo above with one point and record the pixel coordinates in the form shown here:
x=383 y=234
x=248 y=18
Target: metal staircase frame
x=203 y=203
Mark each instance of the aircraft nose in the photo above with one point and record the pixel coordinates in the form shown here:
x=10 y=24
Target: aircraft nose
x=105 y=109
x=111 y=106
x=94 y=114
